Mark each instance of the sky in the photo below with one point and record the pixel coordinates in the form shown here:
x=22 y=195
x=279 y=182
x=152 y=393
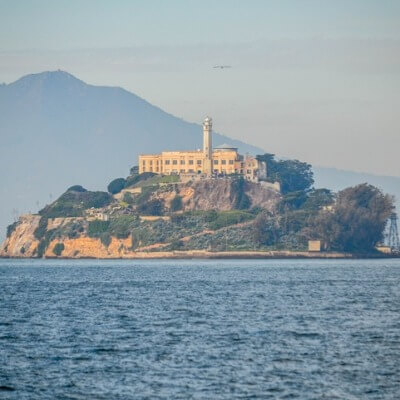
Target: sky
x=316 y=80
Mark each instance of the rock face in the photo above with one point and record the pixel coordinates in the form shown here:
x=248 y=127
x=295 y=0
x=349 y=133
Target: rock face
x=91 y=248
x=22 y=242
x=218 y=194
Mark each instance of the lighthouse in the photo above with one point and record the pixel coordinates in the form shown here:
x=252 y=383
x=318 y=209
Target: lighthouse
x=207 y=146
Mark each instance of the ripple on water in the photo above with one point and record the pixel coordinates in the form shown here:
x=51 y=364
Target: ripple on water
x=200 y=329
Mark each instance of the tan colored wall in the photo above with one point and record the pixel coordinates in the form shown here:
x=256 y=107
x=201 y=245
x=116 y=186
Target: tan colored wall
x=314 y=245
x=227 y=162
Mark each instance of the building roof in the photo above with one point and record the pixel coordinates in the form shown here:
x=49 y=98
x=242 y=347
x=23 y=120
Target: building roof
x=225 y=147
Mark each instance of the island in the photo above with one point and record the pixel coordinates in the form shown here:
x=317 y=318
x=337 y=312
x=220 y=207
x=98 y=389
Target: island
x=208 y=203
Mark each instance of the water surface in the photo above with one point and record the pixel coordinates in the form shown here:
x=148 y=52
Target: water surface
x=200 y=329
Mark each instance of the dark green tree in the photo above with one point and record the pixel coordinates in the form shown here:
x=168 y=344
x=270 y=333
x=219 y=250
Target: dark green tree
x=293 y=175
x=318 y=198
x=76 y=188
x=116 y=185
x=358 y=219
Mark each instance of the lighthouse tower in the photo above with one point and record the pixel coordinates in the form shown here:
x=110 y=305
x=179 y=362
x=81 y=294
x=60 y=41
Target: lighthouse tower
x=207 y=146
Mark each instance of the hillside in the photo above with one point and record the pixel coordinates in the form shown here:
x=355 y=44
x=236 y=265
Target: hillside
x=57 y=131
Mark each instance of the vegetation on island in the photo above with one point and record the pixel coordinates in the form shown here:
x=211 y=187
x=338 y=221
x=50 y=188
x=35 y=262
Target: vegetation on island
x=150 y=210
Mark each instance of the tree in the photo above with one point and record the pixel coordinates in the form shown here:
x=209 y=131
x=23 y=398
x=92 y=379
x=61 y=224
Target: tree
x=116 y=185
x=358 y=219
x=318 y=198
x=266 y=230
x=77 y=188
x=134 y=170
x=293 y=175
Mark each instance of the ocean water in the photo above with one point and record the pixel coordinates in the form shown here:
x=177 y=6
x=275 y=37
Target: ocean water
x=200 y=329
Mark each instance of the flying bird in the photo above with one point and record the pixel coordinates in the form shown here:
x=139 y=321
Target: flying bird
x=222 y=66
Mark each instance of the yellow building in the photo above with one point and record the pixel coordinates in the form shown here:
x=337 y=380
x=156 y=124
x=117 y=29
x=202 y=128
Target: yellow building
x=222 y=160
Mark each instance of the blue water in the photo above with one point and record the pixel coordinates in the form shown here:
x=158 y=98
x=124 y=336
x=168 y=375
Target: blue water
x=200 y=329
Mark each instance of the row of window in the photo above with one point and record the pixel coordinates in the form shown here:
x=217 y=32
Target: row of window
x=248 y=171
x=190 y=162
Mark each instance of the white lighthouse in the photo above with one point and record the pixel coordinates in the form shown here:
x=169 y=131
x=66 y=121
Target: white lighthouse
x=207 y=146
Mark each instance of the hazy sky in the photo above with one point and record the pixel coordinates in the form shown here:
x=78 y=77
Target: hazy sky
x=315 y=80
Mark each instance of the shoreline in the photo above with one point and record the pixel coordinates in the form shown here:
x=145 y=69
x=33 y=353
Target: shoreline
x=201 y=254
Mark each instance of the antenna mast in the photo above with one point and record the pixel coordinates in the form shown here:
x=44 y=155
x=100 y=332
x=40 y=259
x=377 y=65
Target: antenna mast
x=393 y=236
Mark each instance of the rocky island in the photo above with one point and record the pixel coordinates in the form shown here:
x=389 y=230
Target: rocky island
x=150 y=215
x=206 y=203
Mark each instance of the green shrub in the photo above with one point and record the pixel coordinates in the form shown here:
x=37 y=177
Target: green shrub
x=58 y=249
x=122 y=226
x=144 y=196
x=11 y=228
x=176 y=245
x=41 y=230
x=210 y=216
x=134 y=179
x=77 y=188
x=226 y=218
x=140 y=237
x=97 y=227
x=152 y=207
x=105 y=238
x=44 y=242
x=73 y=203
x=127 y=198
x=116 y=185
x=42 y=246
x=176 y=203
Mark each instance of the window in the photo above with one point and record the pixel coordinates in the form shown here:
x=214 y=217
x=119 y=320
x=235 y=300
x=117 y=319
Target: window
x=223 y=162
x=198 y=162
x=167 y=162
x=190 y=162
x=191 y=170
x=215 y=162
x=174 y=162
x=182 y=162
x=230 y=162
x=151 y=162
x=182 y=170
x=248 y=171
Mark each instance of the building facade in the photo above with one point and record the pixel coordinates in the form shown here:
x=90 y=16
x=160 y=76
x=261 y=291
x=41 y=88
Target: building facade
x=222 y=160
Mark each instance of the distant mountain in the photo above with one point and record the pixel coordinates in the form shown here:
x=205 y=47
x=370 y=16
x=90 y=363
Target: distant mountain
x=57 y=131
